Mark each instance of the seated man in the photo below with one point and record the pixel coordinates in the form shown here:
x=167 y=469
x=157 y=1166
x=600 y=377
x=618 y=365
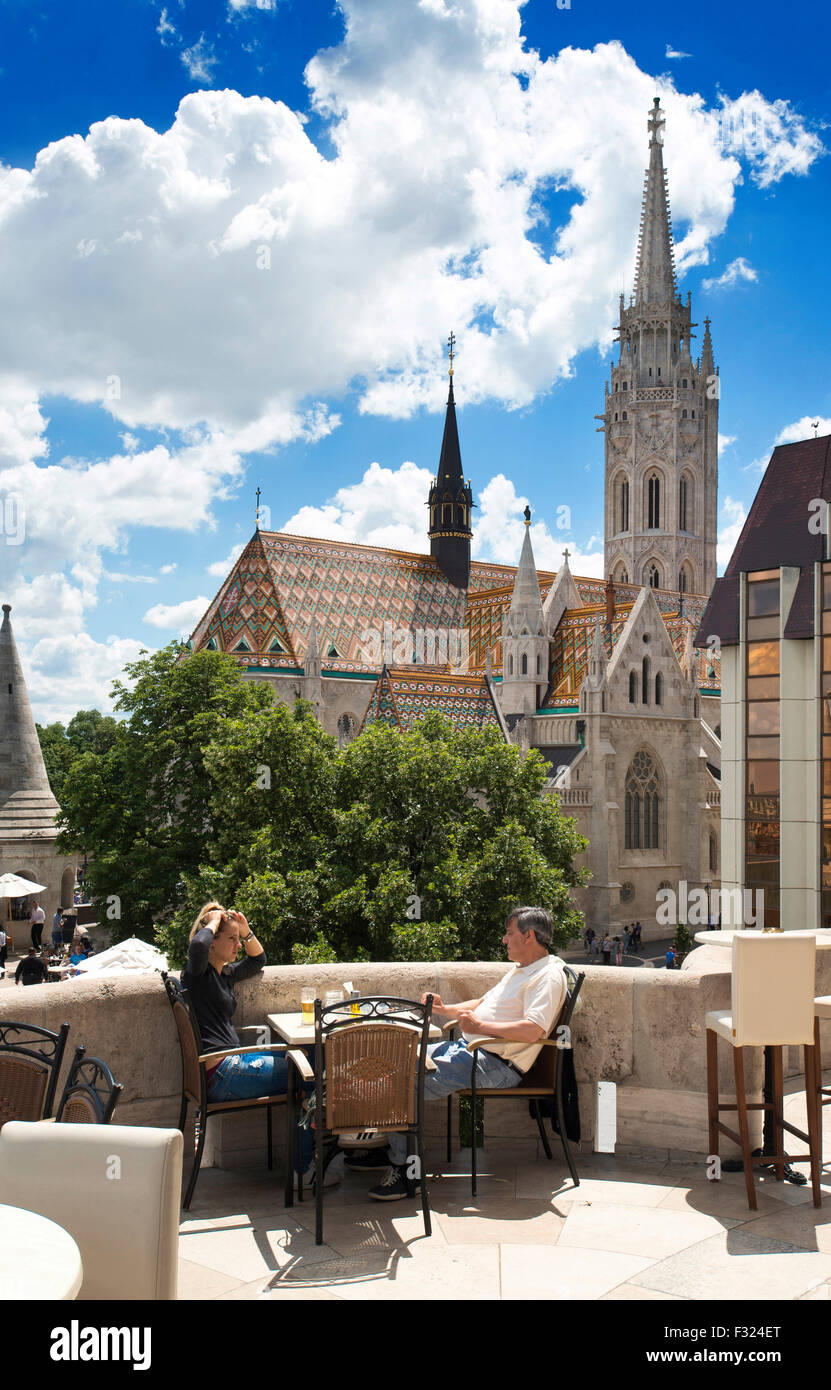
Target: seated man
x=517 y=1014
x=31 y=969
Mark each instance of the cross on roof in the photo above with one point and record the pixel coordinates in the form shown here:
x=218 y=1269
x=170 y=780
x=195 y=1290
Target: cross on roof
x=258 y=506
x=451 y=343
x=565 y=554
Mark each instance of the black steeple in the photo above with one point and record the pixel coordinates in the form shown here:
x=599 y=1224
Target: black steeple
x=451 y=501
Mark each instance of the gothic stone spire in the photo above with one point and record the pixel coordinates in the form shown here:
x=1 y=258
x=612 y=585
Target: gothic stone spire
x=655 y=270
x=450 y=501
x=27 y=806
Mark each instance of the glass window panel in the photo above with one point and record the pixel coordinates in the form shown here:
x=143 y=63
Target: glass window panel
x=763 y=718
x=826 y=779
x=762 y=839
x=826 y=909
x=762 y=873
x=826 y=746
x=757 y=628
x=754 y=576
x=762 y=780
x=772 y=918
x=826 y=589
x=763 y=659
x=765 y=688
x=826 y=621
x=826 y=716
x=763 y=598
x=826 y=812
x=763 y=747
x=826 y=653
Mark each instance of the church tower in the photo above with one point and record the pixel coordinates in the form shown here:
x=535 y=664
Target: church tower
x=451 y=501
x=660 y=418
x=525 y=645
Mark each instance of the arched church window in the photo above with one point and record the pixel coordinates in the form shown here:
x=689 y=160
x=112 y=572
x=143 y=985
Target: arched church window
x=645 y=681
x=642 y=804
x=659 y=689
x=684 y=383
x=626 y=385
x=538 y=666
x=622 y=576
x=615 y=417
x=683 y=414
x=653 y=519
x=713 y=855
x=445 y=515
x=347 y=728
x=682 y=581
x=633 y=687
x=510 y=665
x=693 y=414
x=524 y=664
x=682 y=505
x=624 y=506
x=625 y=415
x=653 y=577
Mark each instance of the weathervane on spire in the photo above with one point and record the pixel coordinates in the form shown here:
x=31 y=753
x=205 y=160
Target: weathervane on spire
x=451 y=343
x=258 y=509
x=656 y=123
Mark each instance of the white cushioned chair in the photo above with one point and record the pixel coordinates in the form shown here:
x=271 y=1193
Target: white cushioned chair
x=114 y=1188
x=773 y=983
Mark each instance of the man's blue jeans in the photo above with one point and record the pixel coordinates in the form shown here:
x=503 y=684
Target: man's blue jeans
x=257 y=1074
x=454 y=1071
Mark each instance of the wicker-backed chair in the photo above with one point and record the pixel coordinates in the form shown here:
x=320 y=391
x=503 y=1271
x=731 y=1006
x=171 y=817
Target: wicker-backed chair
x=543 y=1081
x=30 y=1059
x=195 y=1086
x=374 y=1070
x=91 y=1092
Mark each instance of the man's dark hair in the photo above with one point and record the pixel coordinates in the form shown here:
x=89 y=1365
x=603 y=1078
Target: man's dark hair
x=534 y=919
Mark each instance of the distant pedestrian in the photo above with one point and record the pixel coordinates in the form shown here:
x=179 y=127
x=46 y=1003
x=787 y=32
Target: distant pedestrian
x=671 y=959
x=627 y=939
x=637 y=936
x=3 y=949
x=594 y=946
x=37 y=917
x=618 y=944
x=57 y=922
x=606 y=948
x=31 y=970
x=588 y=937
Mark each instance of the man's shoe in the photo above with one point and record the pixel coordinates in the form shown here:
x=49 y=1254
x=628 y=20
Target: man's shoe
x=366 y=1160
x=393 y=1187
x=330 y=1178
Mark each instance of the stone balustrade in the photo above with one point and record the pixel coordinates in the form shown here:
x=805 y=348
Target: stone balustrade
x=642 y=1029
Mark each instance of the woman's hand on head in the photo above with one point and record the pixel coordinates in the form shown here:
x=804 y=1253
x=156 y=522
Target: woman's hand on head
x=213 y=920
x=240 y=921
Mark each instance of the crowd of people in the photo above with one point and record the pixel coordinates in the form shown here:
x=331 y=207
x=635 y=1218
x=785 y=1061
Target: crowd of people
x=607 y=949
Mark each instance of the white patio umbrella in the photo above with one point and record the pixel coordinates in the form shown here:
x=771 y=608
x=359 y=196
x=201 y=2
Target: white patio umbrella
x=13 y=886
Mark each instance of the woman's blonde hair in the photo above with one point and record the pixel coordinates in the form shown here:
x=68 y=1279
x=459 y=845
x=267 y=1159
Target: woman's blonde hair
x=206 y=912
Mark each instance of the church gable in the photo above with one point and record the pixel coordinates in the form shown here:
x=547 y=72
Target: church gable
x=246 y=617
x=644 y=669
x=403 y=696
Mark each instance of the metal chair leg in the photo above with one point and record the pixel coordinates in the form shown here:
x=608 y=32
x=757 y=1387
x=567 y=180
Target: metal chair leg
x=319 y=1172
x=291 y=1119
x=541 y=1128
x=712 y=1094
x=425 y=1200
x=813 y=1079
x=197 y=1162
x=561 y=1123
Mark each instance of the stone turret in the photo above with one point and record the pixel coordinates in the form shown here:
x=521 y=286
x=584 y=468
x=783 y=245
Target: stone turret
x=27 y=806
x=525 y=644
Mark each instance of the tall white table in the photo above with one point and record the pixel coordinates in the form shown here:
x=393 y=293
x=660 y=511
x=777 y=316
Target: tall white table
x=39 y=1260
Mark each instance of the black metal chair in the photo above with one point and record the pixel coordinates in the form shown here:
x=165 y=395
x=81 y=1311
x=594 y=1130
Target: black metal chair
x=195 y=1085
x=30 y=1059
x=543 y=1081
x=374 y=1066
x=91 y=1092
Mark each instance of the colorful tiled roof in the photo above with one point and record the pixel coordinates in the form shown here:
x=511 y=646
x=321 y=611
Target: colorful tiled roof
x=403 y=696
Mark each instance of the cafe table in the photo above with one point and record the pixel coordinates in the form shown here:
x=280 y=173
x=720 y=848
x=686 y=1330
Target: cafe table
x=39 y=1260
x=725 y=938
x=293 y=1031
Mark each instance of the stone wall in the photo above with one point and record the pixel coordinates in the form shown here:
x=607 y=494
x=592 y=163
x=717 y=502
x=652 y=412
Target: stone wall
x=642 y=1029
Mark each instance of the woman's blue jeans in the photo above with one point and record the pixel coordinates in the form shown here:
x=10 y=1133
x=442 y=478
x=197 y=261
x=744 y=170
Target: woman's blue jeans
x=258 y=1074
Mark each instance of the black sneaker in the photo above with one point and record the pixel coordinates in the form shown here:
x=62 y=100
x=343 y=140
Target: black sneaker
x=363 y=1160
x=393 y=1187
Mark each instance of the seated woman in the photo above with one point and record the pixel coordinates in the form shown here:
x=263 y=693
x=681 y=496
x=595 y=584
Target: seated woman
x=211 y=973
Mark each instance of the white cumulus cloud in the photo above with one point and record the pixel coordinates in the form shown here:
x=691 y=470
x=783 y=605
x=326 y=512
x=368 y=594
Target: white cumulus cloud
x=737 y=271
x=177 y=617
x=733 y=517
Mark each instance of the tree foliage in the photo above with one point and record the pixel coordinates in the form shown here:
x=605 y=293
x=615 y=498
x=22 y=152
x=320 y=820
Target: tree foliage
x=403 y=846
x=88 y=731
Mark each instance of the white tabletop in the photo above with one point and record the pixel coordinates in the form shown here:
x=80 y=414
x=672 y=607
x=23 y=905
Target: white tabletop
x=725 y=938
x=39 y=1260
x=292 y=1029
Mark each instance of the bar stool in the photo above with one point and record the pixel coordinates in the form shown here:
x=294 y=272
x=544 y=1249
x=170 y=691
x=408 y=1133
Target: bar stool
x=773 y=985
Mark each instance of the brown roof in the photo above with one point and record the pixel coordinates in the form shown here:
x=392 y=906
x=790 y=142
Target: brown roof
x=777 y=533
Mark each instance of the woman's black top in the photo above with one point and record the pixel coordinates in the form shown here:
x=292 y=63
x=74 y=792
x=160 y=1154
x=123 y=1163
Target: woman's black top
x=212 y=994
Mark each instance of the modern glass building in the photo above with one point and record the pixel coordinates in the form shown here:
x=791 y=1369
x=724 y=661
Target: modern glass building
x=770 y=618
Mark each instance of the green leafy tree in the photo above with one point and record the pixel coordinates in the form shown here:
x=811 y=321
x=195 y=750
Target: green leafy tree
x=144 y=808
x=88 y=731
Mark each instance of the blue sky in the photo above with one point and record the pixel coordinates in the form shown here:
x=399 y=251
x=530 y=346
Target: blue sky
x=245 y=276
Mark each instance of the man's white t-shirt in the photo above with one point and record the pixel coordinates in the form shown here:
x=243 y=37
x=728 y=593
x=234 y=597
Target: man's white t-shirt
x=36 y=916
x=533 y=992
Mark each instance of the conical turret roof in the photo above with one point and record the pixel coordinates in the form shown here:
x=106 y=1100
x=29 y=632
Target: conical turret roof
x=450 y=460
x=526 y=605
x=27 y=806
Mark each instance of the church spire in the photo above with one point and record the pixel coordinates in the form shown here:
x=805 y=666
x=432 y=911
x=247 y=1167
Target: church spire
x=707 y=366
x=655 y=269
x=525 y=613
x=450 y=500
x=26 y=798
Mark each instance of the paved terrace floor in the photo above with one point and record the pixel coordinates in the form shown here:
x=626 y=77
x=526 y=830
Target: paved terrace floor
x=635 y=1228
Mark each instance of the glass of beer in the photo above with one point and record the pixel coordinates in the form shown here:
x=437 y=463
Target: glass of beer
x=308 y=994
